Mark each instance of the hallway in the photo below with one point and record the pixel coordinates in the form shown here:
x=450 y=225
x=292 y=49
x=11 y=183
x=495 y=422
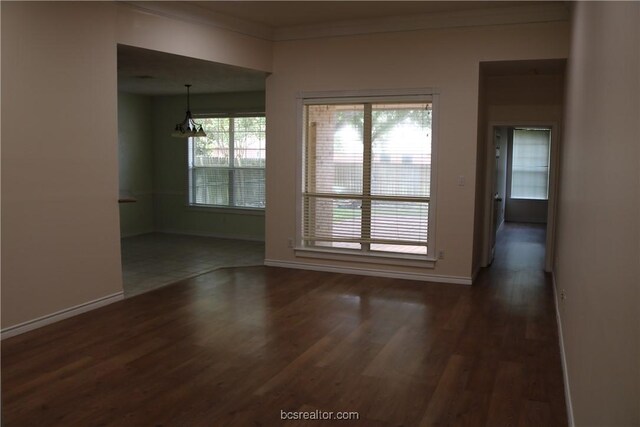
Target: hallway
x=520 y=246
x=513 y=304
x=235 y=346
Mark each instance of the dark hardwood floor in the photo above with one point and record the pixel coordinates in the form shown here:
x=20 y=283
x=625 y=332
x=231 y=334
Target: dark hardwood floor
x=235 y=347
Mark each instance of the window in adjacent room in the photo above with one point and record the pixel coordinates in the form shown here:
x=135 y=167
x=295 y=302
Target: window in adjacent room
x=530 y=164
x=367 y=180
x=226 y=168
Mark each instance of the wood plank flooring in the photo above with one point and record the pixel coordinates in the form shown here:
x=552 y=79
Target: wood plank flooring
x=236 y=346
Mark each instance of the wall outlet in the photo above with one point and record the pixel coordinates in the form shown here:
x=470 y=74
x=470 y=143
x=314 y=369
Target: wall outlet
x=440 y=254
x=290 y=242
x=563 y=295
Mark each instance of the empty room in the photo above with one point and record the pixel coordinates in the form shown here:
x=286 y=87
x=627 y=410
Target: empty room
x=263 y=213
x=188 y=205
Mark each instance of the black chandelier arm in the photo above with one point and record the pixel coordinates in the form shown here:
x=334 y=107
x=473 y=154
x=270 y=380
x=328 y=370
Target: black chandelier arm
x=185 y=122
x=188 y=107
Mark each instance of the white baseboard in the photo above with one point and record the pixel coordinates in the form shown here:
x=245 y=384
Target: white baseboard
x=369 y=272
x=565 y=372
x=39 y=322
x=216 y=235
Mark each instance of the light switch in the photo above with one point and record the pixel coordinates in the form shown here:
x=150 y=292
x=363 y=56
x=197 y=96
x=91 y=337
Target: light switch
x=461 y=181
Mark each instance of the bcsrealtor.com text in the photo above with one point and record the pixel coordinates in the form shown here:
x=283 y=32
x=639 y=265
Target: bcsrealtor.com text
x=319 y=415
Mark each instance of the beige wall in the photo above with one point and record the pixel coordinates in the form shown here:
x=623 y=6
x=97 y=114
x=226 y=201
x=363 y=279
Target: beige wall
x=526 y=98
x=135 y=163
x=598 y=240
x=445 y=59
x=60 y=226
x=60 y=233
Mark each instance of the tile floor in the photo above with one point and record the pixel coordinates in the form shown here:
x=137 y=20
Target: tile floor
x=153 y=260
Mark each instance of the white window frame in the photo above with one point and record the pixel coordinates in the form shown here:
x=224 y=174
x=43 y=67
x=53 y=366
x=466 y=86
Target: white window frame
x=369 y=96
x=511 y=156
x=189 y=192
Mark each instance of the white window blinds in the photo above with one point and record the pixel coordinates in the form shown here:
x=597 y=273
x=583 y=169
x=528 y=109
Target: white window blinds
x=530 y=164
x=367 y=181
x=226 y=168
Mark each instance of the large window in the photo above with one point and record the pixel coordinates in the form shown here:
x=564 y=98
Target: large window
x=367 y=176
x=226 y=168
x=530 y=164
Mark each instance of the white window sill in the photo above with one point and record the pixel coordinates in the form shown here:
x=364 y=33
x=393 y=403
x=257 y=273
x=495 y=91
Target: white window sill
x=386 y=258
x=226 y=210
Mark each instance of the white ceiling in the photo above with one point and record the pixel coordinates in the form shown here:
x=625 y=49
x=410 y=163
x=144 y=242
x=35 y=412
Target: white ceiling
x=283 y=14
x=150 y=72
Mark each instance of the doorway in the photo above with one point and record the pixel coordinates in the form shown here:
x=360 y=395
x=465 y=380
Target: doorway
x=188 y=205
x=520 y=182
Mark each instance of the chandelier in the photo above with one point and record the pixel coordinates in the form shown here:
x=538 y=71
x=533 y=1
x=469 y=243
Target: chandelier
x=188 y=128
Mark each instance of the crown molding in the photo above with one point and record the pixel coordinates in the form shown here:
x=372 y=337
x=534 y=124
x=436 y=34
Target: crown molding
x=470 y=18
x=190 y=12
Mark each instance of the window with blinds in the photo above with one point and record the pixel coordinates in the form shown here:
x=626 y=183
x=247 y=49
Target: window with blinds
x=530 y=164
x=367 y=176
x=226 y=168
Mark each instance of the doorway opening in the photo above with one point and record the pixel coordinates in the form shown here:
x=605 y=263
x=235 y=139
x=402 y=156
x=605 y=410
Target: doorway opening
x=521 y=185
x=196 y=204
x=527 y=96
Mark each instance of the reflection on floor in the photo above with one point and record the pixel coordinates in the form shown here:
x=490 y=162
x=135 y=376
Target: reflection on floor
x=237 y=346
x=520 y=246
x=153 y=260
